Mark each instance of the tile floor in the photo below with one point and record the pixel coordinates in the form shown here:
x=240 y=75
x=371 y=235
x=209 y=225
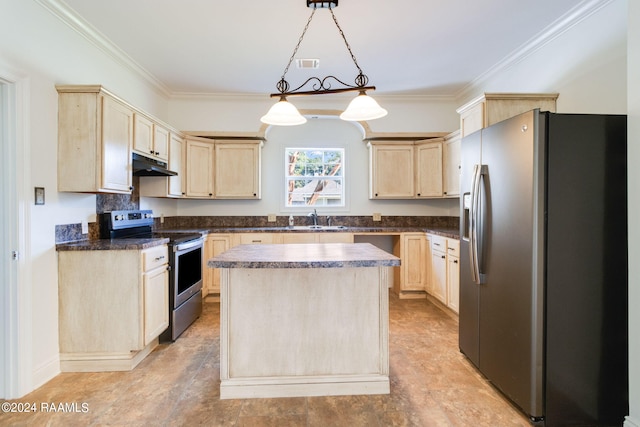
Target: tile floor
x=178 y=385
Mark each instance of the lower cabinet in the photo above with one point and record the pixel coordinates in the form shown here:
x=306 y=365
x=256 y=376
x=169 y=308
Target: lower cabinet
x=113 y=305
x=444 y=284
x=214 y=245
x=410 y=279
x=438 y=283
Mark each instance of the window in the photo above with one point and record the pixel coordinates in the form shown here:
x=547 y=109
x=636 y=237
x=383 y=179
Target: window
x=314 y=177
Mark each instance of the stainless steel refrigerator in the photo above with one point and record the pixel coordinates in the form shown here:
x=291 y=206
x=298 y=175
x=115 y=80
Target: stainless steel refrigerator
x=543 y=275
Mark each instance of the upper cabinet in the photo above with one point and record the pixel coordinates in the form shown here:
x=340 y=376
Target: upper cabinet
x=150 y=139
x=428 y=168
x=391 y=173
x=407 y=169
x=173 y=186
x=237 y=169
x=199 y=173
x=95 y=134
x=451 y=165
x=490 y=108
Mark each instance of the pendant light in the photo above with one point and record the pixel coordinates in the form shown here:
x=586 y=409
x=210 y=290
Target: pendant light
x=361 y=108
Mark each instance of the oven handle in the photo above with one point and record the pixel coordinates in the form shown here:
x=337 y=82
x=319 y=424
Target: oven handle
x=187 y=245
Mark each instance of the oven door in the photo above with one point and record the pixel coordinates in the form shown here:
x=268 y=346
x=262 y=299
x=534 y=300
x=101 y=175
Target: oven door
x=187 y=270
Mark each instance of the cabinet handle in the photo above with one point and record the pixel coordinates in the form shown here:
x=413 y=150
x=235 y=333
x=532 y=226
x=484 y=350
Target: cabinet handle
x=157 y=153
x=131 y=188
x=436 y=244
x=210 y=194
x=455 y=261
x=168 y=268
x=442 y=256
x=376 y=194
x=254 y=194
x=150 y=151
x=256 y=241
x=418 y=194
x=159 y=258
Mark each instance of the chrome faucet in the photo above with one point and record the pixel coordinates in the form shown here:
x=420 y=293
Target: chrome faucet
x=314 y=215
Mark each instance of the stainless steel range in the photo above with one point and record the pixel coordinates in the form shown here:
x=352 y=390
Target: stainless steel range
x=185 y=262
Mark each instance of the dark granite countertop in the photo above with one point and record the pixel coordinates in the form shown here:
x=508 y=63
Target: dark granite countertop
x=111 y=244
x=304 y=255
x=452 y=233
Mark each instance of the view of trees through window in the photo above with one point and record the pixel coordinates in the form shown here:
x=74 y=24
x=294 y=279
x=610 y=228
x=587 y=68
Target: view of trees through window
x=314 y=176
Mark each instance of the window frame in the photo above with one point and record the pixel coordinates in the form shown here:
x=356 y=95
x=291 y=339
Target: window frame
x=343 y=207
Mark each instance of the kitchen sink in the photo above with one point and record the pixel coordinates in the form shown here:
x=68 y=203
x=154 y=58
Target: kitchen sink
x=320 y=227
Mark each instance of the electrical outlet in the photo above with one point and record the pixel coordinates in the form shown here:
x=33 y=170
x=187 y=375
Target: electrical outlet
x=161 y=218
x=377 y=216
x=271 y=218
x=85 y=226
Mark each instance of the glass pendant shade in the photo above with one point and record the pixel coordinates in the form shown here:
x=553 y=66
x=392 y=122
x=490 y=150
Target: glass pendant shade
x=363 y=107
x=283 y=113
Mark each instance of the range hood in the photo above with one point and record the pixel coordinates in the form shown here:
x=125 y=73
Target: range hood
x=145 y=166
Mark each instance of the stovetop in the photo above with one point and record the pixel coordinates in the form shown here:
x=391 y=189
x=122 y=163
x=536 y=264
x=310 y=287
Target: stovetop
x=138 y=224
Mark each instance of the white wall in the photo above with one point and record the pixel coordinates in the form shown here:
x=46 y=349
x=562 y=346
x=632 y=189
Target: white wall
x=634 y=208
x=44 y=52
x=586 y=65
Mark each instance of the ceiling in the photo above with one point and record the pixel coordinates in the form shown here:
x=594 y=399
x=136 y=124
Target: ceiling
x=408 y=47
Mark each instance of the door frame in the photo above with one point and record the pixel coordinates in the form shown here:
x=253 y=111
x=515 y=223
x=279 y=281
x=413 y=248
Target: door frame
x=15 y=285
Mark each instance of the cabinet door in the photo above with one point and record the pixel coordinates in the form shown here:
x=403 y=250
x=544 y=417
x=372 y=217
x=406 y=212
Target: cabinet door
x=117 y=135
x=161 y=142
x=453 y=282
x=215 y=244
x=200 y=169
x=237 y=170
x=391 y=172
x=451 y=164
x=429 y=170
x=176 y=164
x=439 y=275
x=143 y=135
x=156 y=303
x=413 y=265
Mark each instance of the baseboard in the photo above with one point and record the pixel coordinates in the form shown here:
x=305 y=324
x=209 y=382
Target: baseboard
x=631 y=422
x=46 y=372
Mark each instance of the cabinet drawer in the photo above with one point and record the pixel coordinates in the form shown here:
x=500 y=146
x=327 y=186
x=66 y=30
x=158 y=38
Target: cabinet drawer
x=256 y=238
x=453 y=247
x=438 y=243
x=154 y=257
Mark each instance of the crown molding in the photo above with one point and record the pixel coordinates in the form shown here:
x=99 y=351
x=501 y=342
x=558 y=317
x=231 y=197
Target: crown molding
x=64 y=13
x=573 y=17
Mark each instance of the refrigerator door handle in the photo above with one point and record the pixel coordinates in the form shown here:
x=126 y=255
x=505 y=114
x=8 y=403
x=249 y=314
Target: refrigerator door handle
x=476 y=223
x=473 y=249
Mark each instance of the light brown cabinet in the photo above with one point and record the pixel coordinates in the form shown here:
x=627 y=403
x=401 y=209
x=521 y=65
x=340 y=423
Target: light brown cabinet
x=405 y=169
x=214 y=245
x=428 y=169
x=237 y=169
x=110 y=318
x=150 y=139
x=445 y=271
x=391 y=173
x=199 y=168
x=95 y=134
x=410 y=278
x=451 y=165
x=490 y=108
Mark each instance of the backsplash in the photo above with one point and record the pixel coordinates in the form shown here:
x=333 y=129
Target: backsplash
x=283 y=221
x=104 y=203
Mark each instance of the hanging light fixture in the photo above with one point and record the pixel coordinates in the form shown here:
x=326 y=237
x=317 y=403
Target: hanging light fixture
x=361 y=108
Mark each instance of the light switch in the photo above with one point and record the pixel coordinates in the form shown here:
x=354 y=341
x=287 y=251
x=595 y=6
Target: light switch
x=39 y=195
x=85 y=226
x=271 y=218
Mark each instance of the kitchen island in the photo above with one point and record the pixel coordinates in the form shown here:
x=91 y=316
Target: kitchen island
x=304 y=320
